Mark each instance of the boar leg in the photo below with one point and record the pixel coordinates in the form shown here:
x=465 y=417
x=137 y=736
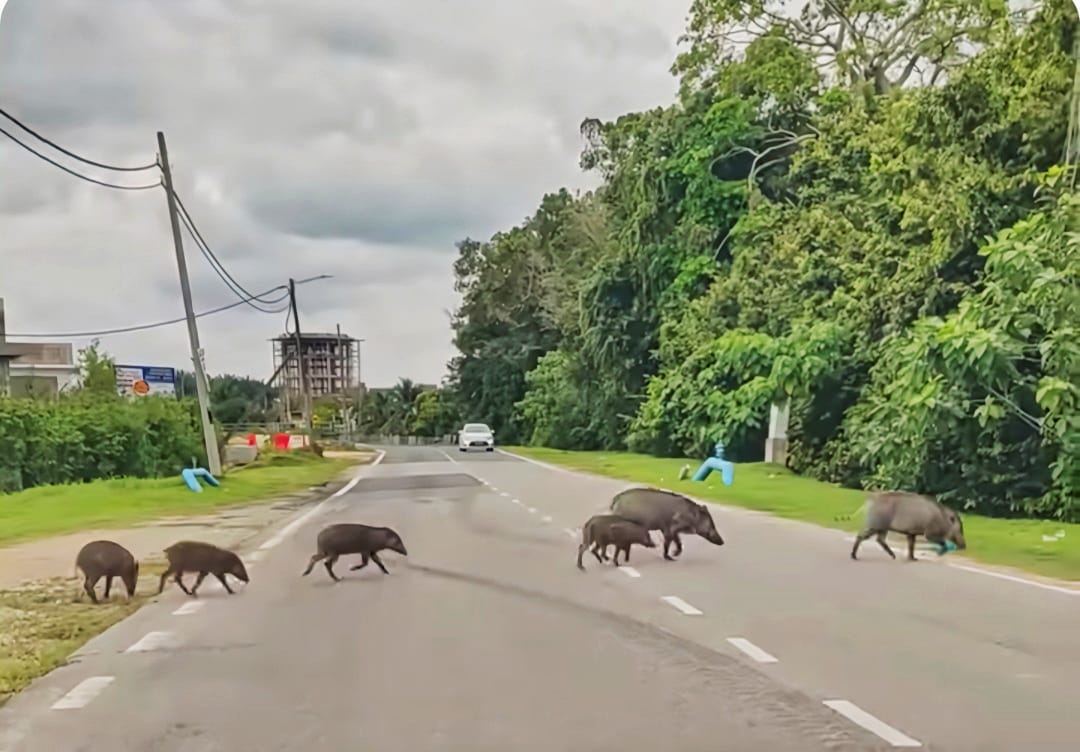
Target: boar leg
x=221 y=578
x=180 y=581
x=363 y=563
x=378 y=563
x=858 y=542
x=88 y=586
x=311 y=564
x=108 y=585
x=329 y=564
x=615 y=558
x=911 y=548
x=883 y=544
x=581 y=552
x=164 y=576
x=668 y=538
x=678 y=543
x=199 y=581
x=600 y=552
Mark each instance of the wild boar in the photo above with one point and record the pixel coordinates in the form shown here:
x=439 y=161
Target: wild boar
x=104 y=558
x=353 y=538
x=204 y=558
x=603 y=530
x=668 y=512
x=912 y=515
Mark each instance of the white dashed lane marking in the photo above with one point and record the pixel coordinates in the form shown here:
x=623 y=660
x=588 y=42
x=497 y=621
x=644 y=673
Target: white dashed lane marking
x=630 y=572
x=546 y=518
x=517 y=501
x=83 y=693
x=860 y=717
x=189 y=608
x=504 y=494
x=570 y=533
x=151 y=641
x=532 y=510
x=752 y=650
x=677 y=602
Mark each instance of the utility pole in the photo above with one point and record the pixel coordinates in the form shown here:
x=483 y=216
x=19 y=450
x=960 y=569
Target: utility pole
x=201 y=386
x=304 y=386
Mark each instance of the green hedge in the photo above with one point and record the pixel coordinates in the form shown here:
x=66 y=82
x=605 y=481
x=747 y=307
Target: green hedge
x=83 y=438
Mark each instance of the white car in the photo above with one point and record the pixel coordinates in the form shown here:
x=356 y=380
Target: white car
x=476 y=435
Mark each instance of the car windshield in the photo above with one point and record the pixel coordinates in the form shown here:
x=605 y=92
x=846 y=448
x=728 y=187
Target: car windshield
x=476 y=428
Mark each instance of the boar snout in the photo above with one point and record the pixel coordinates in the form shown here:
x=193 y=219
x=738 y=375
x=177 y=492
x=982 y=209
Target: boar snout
x=239 y=571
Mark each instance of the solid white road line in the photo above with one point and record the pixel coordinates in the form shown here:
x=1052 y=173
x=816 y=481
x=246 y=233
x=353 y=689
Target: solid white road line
x=631 y=573
x=860 y=717
x=679 y=603
x=1019 y=580
x=84 y=692
x=151 y=641
x=752 y=650
x=189 y=608
x=293 y=526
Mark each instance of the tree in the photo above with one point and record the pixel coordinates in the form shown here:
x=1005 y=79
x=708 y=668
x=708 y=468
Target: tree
x=97 y=371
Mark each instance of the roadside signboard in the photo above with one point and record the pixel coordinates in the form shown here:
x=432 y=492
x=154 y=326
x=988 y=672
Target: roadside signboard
x=142 y=381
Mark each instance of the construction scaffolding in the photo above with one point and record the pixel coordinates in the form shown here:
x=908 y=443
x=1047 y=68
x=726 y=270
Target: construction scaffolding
x=332 y=363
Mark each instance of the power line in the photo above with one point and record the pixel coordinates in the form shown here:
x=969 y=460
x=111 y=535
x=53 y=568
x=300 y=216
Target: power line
x=79 y=175
x=145 y=327
x=216 y=264
x=72 y=154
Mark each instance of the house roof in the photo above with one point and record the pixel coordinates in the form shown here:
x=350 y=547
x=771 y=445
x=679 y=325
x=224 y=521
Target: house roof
x=12 y=350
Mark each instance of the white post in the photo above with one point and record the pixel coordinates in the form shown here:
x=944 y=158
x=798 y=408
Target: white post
x=776 y=446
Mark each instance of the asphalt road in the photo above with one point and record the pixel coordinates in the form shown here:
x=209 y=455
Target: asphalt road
x=486 y=637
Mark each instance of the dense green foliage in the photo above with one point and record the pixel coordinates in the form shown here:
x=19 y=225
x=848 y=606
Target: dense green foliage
x=93 y=433
x=859 y=209
x=408 y=410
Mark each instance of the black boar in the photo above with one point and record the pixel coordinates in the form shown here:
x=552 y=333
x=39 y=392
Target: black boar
x=668 y=512
x=603 y=530
x=106 y=559
x=912 y=515
x=352 y=538
x=204 y=558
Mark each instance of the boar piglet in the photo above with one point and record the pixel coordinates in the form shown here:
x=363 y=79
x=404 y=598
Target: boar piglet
x=604 y=530
x=204 y=558
x=106 y=559
x=353 y=538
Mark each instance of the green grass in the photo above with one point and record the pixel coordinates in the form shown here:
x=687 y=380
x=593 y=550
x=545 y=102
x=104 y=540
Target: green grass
x=42 y=624
x=767 y=488
x=55 y=510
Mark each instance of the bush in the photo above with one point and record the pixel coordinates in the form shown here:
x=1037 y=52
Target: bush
x=84 y=438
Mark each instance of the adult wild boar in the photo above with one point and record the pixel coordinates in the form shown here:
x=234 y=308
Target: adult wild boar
x=346 y=538
x=912 y=515
x=668 y=512
x=204 y=558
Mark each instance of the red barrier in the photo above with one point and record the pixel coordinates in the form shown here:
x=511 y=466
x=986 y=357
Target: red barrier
x=281 y=441
x=251 y=439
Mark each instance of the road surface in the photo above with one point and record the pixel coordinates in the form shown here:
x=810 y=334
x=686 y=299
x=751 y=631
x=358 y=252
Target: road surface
x=486 y=637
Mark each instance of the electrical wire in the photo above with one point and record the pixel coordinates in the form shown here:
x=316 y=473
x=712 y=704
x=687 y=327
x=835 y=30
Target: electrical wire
x=79 y=175
x=72 y=154
x=219 y=267
x=143 y=327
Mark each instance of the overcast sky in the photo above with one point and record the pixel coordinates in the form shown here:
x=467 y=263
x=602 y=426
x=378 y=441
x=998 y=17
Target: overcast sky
x=355 y=138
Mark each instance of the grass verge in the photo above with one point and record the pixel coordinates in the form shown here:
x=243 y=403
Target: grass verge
x=44 y=623
x=55 y=510
x=767 y=488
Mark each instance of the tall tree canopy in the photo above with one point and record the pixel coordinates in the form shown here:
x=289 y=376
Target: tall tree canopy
x=859 y=207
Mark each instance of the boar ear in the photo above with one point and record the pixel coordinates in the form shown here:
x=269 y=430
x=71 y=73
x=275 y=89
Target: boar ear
x=703 y=508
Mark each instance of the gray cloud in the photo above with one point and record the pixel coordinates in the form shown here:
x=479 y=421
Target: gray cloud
x=358 y=139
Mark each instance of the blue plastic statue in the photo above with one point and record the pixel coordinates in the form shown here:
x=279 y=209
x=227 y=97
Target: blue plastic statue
x=717 y=462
